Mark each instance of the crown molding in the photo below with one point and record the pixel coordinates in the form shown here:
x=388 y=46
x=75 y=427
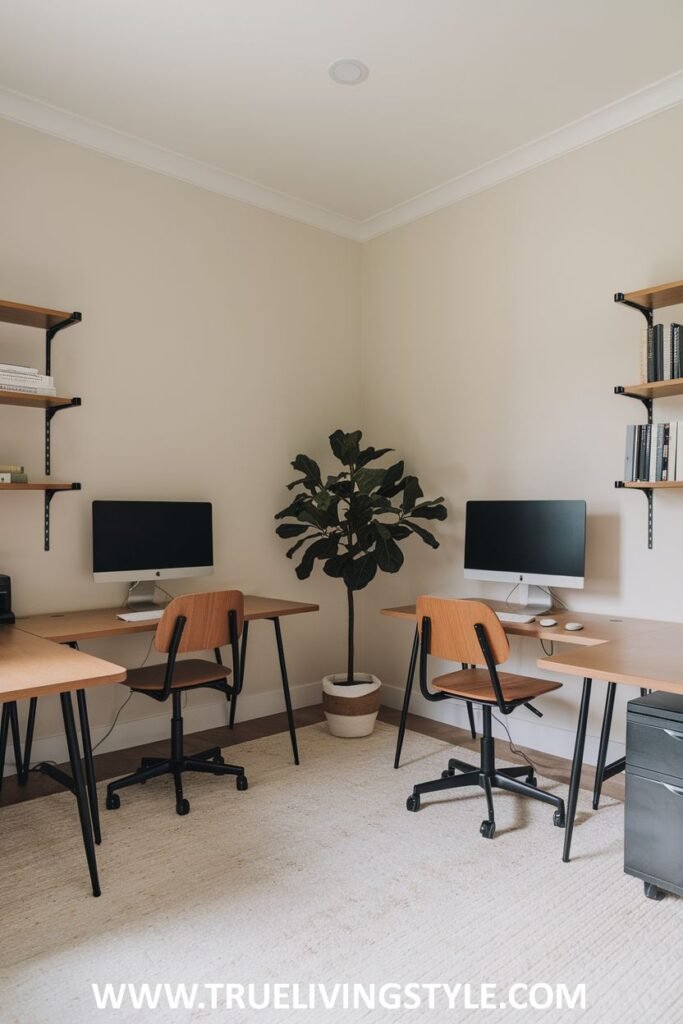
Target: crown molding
x=70 y=127
x=653 y=99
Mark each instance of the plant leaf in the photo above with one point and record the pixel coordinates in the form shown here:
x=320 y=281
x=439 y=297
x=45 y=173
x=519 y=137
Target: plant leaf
x=426 y=536
x=335 y=566
x=412 y=492
x=291 y=529
x=392 y=480
x=430 y=510
x=311 y=479
x=346 y=446
x=360 y=571
x=387 y=552
x=323 y=548
x=295 y=547
x=398 y=531
x=367 y=479
x=294 y=508
x=370 y=454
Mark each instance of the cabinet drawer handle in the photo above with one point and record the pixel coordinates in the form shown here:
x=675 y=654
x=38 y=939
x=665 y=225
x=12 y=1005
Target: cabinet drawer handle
x=674 y=735
x=676 y=790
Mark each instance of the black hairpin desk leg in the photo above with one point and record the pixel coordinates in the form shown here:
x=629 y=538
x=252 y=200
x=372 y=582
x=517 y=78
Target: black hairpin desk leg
x=79 y=789
x=285 y=687
x=577 y=764
x=406 y=698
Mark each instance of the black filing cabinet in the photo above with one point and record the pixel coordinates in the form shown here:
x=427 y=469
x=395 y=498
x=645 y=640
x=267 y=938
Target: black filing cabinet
x=653 y=844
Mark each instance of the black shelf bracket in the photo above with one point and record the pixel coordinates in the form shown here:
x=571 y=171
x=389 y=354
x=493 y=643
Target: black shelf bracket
x=49 y=413
x=75 y=318
x=49 y=495
x=647 y=313
x=647 y=491
x=647 y=402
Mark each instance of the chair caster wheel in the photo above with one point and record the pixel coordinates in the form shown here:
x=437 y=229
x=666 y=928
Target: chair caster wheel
x=182 y=807
x=113 y=802
x=218 y=759
x=652 y=892
x=413 y=803
x=531 y=780
x=558 y=819
x=241 y=782
x=488 y=829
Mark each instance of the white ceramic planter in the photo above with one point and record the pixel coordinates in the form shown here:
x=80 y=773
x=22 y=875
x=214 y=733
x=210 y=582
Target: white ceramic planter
x=351 y=711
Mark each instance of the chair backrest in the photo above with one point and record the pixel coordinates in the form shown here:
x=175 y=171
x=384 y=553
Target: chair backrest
x=452 y=635
x=207 y=621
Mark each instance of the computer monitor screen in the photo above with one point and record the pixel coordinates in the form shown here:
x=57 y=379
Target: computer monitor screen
x=537 y=542
x=148 y=540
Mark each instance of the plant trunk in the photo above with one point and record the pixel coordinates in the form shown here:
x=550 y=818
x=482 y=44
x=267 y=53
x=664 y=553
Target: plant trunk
x=349 y=662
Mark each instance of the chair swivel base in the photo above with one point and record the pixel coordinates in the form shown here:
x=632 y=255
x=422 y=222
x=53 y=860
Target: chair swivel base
x=509 y=779
x=210 y=761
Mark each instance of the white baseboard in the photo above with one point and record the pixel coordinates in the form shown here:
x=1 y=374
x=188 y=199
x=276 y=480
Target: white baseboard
x=525 y=731
x=137 y=731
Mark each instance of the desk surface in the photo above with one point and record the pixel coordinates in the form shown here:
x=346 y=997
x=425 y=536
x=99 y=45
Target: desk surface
x=69 y=627
x=637 y=652
x=32 y=667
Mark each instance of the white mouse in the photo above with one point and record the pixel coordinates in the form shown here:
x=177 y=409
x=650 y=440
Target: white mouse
x=547 y=622
x=573 y=625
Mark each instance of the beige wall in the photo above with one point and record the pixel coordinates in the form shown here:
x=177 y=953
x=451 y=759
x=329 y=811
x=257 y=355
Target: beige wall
x=217 y=341
x=491 y=348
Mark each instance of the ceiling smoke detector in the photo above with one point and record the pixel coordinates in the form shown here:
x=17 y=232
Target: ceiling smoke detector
x=348 y=72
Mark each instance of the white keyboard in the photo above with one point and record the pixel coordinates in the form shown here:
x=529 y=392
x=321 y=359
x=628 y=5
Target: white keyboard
x=514 y=617
x=141 y=616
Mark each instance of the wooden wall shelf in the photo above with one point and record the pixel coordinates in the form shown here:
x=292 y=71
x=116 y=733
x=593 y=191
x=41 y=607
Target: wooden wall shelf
x=645 y=300
x=33 y=316
x=656 y=297
x=645 y=485
x=45 y=485
x=51 y=321
x=655 y=389
x=30 y=401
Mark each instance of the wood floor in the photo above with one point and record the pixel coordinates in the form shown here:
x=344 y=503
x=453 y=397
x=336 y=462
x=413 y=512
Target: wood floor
x=121 y=762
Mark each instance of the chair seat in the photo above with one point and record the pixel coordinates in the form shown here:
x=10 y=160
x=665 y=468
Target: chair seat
x=192 y=672
x=475 y=684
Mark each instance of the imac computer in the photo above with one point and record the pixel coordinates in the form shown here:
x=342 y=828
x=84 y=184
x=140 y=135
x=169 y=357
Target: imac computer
x=528 y=543
x=141 y=542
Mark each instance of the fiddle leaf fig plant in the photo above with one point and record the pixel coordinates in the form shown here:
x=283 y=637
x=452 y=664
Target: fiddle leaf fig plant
x=354 y=521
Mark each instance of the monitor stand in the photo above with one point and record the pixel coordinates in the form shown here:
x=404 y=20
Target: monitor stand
x=141 y=597
x=527 y=603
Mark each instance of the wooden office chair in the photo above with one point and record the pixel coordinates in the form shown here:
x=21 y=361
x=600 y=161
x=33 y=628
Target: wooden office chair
x=469 y=632
x=193 y=622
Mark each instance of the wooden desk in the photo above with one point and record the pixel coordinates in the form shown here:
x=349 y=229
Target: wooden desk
x=95 y=623
x=637 y=652
x=649 y=655
x=31 y=667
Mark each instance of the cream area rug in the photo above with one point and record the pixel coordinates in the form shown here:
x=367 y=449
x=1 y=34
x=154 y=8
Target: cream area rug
x=319 y=876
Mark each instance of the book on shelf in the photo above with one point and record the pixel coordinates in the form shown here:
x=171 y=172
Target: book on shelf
x=675 y=340
x=8 y=467
x=651 y=453
x=28 y=390
x=37 y=380
x=13 y=478
x=660 y=353
x=29 y=371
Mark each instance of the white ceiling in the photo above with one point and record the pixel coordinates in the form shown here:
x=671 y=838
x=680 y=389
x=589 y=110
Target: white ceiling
x=242 y=86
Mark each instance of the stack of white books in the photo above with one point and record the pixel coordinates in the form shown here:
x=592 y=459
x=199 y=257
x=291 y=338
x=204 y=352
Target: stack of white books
x=25 y=378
